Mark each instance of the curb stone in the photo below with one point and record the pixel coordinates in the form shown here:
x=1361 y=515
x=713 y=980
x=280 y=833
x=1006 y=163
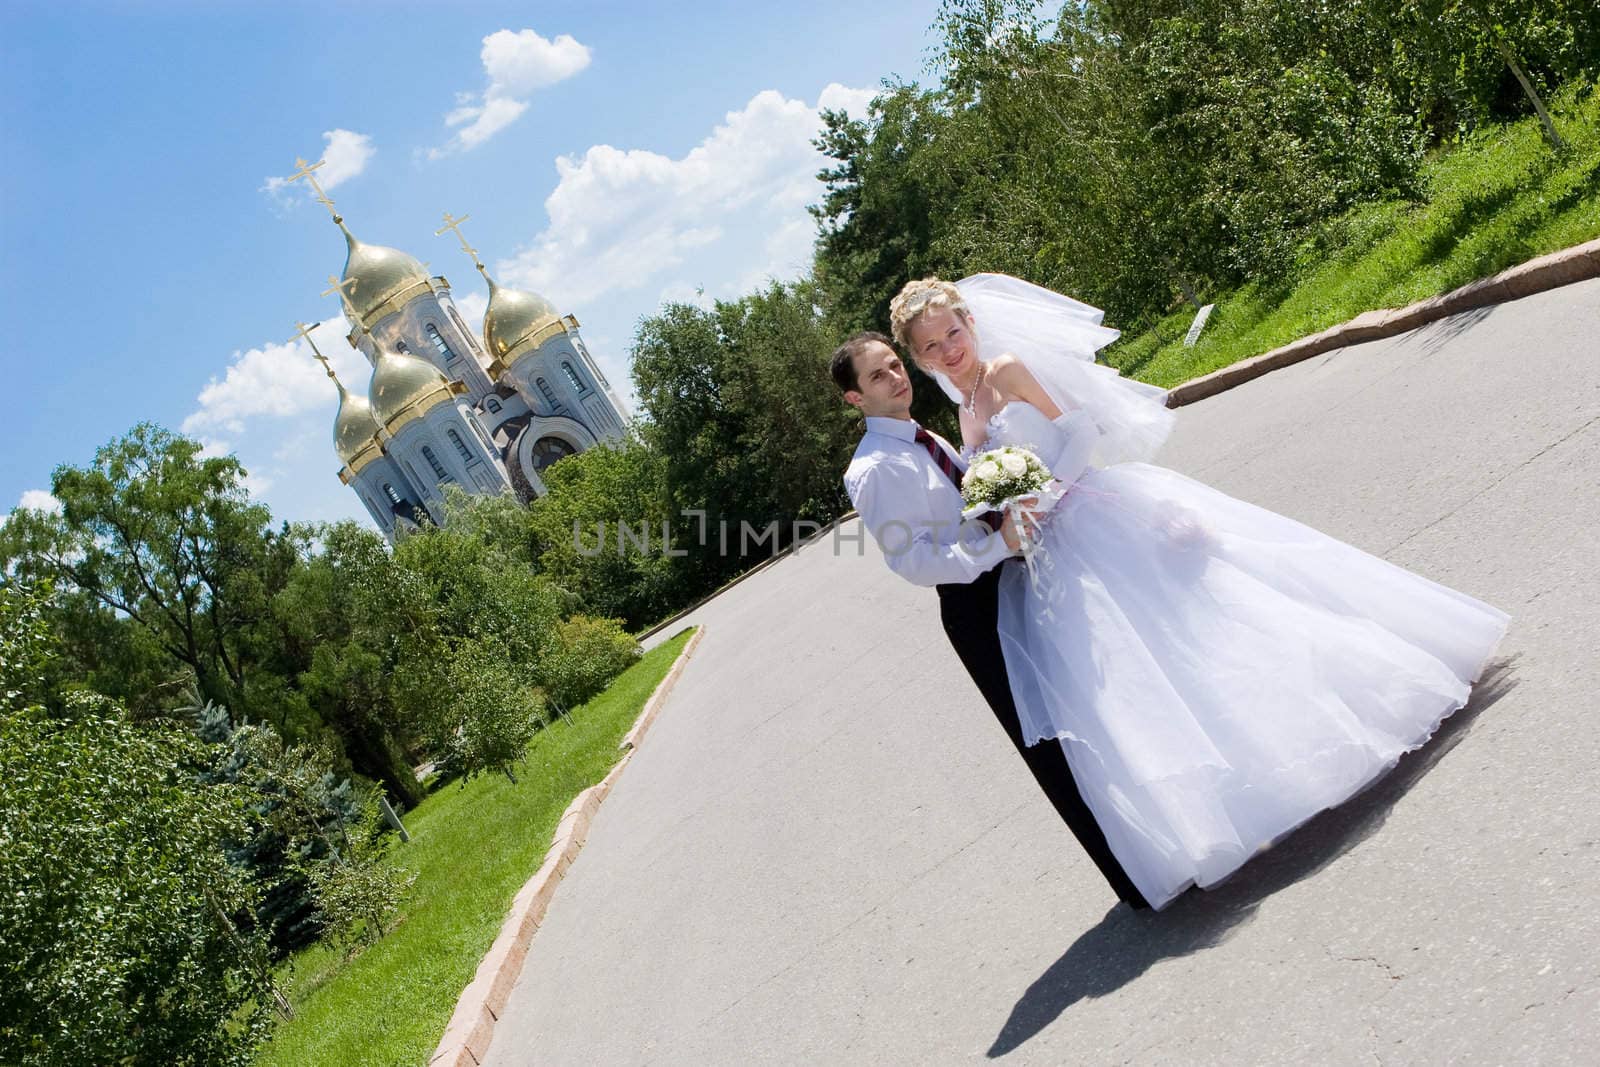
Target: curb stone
x=652 y=707
x=466 y=1038
x=1576 y=264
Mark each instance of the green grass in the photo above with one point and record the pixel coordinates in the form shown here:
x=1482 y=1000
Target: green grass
x=1499 y=199
x=471 y=849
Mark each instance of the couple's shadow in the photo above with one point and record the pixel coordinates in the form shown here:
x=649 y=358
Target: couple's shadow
x=1125 y=943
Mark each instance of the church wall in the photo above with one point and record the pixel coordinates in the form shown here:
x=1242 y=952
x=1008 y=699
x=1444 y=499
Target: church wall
x=618 y=408
x=558 y=380
x=496 y=409
x=472 y=464
x=369 y=488
x=409 y=326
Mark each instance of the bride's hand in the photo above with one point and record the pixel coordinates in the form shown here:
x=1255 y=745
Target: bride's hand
x=1029 y=523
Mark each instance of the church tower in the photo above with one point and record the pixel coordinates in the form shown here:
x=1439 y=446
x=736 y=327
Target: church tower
x=537 y=356
x=389 y=497
x=444 y=410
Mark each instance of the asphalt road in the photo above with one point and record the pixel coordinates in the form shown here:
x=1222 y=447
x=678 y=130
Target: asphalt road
x=825 y=851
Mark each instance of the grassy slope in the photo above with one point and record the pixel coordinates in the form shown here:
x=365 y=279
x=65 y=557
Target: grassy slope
x=471 y=848
x=1501 y=198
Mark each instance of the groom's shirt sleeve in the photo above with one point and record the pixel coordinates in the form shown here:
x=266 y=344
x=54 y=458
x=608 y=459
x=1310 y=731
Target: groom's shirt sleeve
x=915 y=526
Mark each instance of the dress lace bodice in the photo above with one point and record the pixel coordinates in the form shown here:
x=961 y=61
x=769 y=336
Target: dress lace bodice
x=1064 y=444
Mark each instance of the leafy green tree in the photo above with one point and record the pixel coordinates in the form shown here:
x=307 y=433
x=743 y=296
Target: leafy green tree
x=348 y=618
x=116 y=943
x=330 y=829
x=575 y=528
x=315 y=844
x=1464 y=62
x=881 y=210
x=489 y=712
x=156 y=534
x=749 y=429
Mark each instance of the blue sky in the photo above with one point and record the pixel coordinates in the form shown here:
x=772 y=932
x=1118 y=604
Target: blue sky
x=610 y=155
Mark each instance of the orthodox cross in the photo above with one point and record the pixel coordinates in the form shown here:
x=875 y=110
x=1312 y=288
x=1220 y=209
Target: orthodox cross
x=343 y=289
x=455 y=224
x=305 y=172
x=304 y=331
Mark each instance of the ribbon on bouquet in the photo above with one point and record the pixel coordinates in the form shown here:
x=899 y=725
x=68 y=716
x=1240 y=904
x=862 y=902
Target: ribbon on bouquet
x=1034 y=556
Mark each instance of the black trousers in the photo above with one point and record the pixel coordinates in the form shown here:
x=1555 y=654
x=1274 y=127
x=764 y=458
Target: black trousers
x=970 y=614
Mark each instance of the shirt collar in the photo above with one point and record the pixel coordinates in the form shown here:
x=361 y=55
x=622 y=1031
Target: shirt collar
x=904 y=429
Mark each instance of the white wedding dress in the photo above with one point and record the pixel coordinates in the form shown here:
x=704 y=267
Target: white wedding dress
x=1217 y=673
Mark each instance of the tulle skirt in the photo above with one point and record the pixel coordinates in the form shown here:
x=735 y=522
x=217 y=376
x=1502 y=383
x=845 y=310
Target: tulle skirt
x=1217 y=673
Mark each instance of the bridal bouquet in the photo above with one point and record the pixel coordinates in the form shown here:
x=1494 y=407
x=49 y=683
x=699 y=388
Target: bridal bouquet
x=998 y=480
x=999 y=476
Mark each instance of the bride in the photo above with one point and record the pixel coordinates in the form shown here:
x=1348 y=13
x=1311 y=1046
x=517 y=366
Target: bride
x=1216 y=673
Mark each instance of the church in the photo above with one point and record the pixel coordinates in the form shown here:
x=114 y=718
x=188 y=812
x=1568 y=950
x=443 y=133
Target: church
x=444 y=408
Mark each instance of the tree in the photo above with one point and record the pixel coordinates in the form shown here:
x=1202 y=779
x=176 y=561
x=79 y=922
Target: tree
x=319 y=841
x=348 y=617
x=589 y=653
x=493 y=619
x=575 y=528
x=156 y=534
x=115 y=895
x=750 y=432
x=1453 y=56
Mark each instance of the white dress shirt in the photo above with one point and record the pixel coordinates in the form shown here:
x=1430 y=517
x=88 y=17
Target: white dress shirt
x=913 y=511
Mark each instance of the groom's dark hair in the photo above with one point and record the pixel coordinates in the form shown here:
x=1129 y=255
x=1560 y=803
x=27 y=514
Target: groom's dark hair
x=843 y=364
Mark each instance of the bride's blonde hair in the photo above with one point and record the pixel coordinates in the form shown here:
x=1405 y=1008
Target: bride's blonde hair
x=920 y=296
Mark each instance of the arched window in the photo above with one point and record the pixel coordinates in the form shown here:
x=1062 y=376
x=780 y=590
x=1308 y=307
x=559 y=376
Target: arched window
x=400 y=347
x=549 y=395
x=433 y=461
x=439 y=343
x=492 y=406
x=572 y=376
x=546 y=450
x=394 y=497
x=455 y=439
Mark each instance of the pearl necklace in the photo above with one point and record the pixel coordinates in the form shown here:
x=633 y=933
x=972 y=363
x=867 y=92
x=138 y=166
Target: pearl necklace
x=971 y=405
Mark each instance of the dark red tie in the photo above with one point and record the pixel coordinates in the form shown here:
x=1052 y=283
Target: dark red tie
x=940 y=457
x=942 y=460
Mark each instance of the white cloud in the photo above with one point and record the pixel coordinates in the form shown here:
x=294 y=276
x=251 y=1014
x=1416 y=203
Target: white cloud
x=273 y=408
x=256 y=483
x=620 y=219
x=39 y=500
x=345 y=154
x=277 y=380
x=516 y=64
x=838 y=97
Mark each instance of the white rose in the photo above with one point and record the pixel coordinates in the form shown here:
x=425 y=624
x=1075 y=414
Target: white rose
x=988 y=469
x=1014 y=464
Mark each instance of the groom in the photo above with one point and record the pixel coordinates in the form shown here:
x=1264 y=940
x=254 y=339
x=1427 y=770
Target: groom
x=905 y=483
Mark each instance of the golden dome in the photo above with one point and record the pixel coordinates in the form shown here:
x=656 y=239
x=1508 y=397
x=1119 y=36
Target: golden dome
x=354 y=427
x=380 y=275
x=401 y=381
x=512 y=318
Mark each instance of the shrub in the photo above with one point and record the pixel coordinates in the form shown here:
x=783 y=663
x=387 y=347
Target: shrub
x=587 y=654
